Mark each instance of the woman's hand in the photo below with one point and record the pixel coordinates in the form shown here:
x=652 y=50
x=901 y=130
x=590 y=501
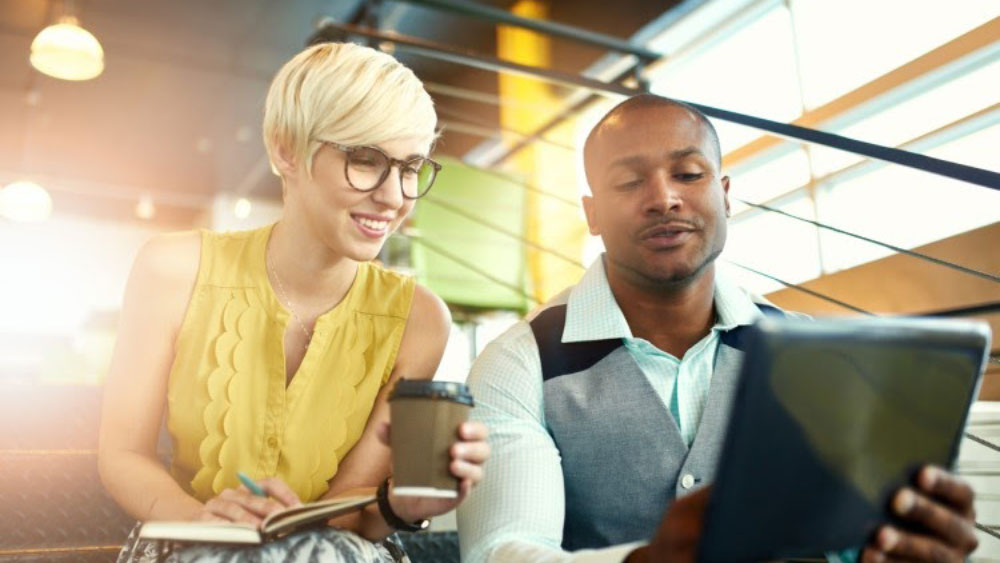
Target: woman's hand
x=468 y=455
x=240 y=505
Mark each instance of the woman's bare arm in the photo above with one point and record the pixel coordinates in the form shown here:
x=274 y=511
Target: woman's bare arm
x=367 y=464
x=156 y=299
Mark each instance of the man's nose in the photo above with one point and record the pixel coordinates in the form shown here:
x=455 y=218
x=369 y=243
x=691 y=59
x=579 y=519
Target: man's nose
x=662 y=194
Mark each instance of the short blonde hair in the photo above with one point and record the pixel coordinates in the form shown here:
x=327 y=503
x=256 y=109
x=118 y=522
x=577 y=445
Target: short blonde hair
x=343 y=93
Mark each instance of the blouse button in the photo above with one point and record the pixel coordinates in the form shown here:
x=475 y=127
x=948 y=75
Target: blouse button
x=272 y=442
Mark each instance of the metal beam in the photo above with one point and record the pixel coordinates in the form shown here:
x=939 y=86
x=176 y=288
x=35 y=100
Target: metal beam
x=471 y=58
x=961 y=172
x=496 y=15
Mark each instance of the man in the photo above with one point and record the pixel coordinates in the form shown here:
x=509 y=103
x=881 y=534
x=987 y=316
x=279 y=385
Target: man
x=611 y=402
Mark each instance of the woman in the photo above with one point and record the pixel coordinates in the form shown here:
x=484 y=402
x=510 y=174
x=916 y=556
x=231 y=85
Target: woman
x=273 y=350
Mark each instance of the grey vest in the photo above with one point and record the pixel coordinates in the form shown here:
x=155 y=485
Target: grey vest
x=623 y=458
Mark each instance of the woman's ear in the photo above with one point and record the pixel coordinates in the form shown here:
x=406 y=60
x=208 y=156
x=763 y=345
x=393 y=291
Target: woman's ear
x=285 y=163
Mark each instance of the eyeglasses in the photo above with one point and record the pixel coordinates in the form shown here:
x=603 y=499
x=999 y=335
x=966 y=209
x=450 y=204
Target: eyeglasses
x=367 y=167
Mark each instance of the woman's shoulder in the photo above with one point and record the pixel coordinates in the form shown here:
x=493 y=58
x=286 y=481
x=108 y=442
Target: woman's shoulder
x=163 y=276
x=385 y=292
x=398 y=294
x=170 y=258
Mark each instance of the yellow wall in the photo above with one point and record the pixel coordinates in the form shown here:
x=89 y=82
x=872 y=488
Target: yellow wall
x=547 y=221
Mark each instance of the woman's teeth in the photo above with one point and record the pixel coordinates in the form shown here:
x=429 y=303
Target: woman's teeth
x=373 y=224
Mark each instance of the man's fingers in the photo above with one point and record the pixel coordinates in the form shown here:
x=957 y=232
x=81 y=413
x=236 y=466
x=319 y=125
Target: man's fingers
x=948 y=488
x=939 y=520
x=875 y=555
x=897 y=543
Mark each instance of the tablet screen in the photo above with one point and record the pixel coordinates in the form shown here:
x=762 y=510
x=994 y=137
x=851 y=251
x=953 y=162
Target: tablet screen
x=831 y=417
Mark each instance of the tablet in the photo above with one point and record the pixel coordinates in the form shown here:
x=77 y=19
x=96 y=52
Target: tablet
x=830 y=418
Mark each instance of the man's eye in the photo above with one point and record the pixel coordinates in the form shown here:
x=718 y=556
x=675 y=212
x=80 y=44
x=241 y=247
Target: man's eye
x=629 y=184
x=689 y=176
x=410 y=171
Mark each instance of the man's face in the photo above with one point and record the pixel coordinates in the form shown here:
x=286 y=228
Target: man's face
x=658 y=201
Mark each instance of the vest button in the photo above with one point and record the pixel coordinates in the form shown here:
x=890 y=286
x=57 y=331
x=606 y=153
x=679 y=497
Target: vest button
x=687 y=481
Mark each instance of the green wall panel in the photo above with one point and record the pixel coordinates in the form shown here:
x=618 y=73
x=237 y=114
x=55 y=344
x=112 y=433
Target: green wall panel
x=479 y=197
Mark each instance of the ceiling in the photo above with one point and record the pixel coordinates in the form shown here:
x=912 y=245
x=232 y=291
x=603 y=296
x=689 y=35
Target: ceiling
x=176 y=113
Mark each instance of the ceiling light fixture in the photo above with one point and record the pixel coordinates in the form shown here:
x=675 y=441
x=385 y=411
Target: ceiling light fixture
x=242 y=208
x=67 y=51
x=25 y=202
x=145 y=209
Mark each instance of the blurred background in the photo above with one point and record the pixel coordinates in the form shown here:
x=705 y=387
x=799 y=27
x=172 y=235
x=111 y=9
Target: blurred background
x=152 y=123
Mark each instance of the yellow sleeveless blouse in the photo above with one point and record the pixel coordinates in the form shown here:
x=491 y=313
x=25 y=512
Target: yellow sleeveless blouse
x=228 y=406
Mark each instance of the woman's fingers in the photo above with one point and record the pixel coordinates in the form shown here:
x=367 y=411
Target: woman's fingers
x=473 y=431
x=227 y=507
x=280 y=491
x=473 y=452
x=464 y=470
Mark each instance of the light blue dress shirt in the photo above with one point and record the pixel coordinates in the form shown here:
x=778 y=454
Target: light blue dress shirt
x=516 y=513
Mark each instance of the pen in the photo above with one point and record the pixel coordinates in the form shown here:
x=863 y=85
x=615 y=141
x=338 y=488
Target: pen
x=249 y=484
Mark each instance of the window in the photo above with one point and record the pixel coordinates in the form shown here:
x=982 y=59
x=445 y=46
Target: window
x=751 y=70
x=846 y=43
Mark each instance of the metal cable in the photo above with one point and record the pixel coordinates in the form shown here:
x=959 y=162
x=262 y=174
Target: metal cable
x=983 y=441
x=475 y=269
x=987 y=530
x=990 y=359
x=463 y=213
x=467 y=117
x=938 y=261
x=803 y=289
x=522 y=184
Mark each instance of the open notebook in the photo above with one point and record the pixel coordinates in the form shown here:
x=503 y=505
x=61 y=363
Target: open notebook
x=274 y=526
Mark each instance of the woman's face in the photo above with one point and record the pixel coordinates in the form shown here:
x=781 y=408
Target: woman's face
x=352 y=223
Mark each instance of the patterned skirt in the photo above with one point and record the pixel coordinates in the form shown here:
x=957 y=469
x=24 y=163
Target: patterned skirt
x=327 y=545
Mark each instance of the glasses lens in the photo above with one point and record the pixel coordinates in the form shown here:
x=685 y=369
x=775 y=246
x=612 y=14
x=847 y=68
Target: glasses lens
x=366 y=168
x=418 y=175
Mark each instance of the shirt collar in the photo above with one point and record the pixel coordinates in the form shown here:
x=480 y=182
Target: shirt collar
x=592 y=313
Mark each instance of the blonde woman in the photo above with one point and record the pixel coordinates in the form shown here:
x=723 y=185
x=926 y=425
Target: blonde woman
x=272 y=351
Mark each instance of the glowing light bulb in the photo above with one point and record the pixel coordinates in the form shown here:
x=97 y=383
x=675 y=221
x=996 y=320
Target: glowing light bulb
x=242 y=208
x=67 y=51
x=145 y=209
x=25 y=202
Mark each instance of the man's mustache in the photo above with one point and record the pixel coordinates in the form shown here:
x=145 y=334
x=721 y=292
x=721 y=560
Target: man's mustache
x=671 y=222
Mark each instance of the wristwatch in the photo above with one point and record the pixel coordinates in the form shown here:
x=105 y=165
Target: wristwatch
x=390 y=517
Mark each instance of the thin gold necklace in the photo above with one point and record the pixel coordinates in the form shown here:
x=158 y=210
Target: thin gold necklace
x=283 y=295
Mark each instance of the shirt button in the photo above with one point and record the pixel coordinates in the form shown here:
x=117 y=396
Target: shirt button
x=272 y=442
x=687 y=481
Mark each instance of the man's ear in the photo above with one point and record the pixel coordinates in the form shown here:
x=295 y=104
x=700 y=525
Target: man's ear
x=590 y=211
x=725 y=194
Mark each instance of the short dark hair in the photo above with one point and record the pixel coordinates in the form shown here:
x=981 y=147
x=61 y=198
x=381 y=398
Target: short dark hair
x=642 y=101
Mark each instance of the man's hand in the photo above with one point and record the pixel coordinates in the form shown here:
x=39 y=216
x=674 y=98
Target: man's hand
x=676 y=540
x=940 y=517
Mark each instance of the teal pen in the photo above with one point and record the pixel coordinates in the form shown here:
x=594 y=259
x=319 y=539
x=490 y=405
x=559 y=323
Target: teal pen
x=250 y=484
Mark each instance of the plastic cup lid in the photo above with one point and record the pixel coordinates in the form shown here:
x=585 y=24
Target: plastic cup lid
x=448 y=390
